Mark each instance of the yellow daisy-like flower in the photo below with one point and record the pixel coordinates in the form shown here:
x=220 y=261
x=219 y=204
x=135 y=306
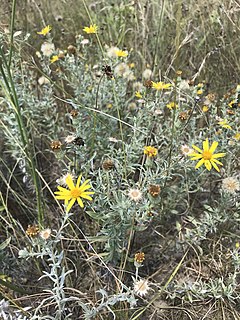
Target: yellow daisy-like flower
x=74 y=193
x=138 y=94
x=231 y=103
x=206 y=156
x=54 y=58
x=121 y=53
x=205 y=108
x=92 y=29
x=237 y=136
x=150 y=151
x=160 y=85
x=224 y=124
x=200 y=92
x=172 y=105
x=45 y=30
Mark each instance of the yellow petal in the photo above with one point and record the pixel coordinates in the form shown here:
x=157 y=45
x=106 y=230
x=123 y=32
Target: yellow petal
x=78 y=181
x=69 y=182
x=213 y=146
x=201 y=162
x=208 y=165
x=79 y=200
x=196 y=148
x=218 y=155
x=63 y=197
x=62 y=189
x=83 y=188
x=66 y=193
x=215 y=166
x=205 y=145
x=198 y=156
x=71 y=203
x=85 y=196
x=85 y=182
x=218 y=162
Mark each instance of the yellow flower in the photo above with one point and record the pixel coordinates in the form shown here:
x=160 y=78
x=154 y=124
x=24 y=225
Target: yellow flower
x=121 y=53
x=231 y=103
x=172 y=105
x=224 y=124
x=237 y=136
x=150 y=151
x=206 y=155
x=45 y=30
x=205 y=108
x=92 y=29
x=138 y=94
x=132 y=65
x=200 y=85
x=75 y=193
x=160 y=85
x=54 y=58
x=199 y=92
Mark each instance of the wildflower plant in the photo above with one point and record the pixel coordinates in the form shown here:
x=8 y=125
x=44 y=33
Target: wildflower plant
x=96 y=108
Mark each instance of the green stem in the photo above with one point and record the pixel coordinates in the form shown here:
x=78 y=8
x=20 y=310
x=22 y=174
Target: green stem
x=158 y=36
x=12 y=29
x=90 y=18
x=10 y=87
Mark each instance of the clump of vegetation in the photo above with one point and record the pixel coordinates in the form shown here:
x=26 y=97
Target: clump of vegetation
x=120 y=161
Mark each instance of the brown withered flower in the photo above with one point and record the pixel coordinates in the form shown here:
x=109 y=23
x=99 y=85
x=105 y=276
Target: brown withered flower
x=154 y=190
x=211 y=97
x=61 y=55
x=230 y=112
x=32 y=231
x=78 y=141
x=191 y=82
x=148 y=83
x=108 y=71
x=73 y=113
x=108 y=164
x=71 y=49
x=139 y=257
x=183 y=116
x=56 y=145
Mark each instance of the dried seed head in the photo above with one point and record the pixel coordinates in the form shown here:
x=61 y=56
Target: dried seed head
x=230 y=112
x=154 y=190
x=108 y=71
x=32 y=231
x=108 y=164
x=148 y=83
x=78 y=141
x=211 y=97
x=191 y=82
x=139 y=257
x=74 y=113
x=183 y=116
x=61 y=55
x=56 y=145
x=71 y=49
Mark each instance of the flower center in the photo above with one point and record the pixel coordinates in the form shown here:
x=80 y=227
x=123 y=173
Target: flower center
x=206 y=155
x=75 y=193
x=135 y=193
